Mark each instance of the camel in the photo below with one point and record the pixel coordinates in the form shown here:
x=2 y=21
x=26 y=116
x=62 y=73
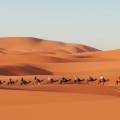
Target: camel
x=2 y=82
x=52 y=81
x=117 y=82
x=12 y=82
x=38 y=81
x=91 y=79
x=103 y=81
x=64 y=80
x=78 y=80
x=24 y=82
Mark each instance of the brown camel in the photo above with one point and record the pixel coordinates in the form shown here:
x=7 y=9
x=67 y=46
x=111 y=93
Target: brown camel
x=2 y=82
x=12 y=82
x=52 y=81
x=103 y=81
x=91 y=79
x=78 y=80
x=64 y=80
x=117 y=82
x=38 y=81
x=24 y=82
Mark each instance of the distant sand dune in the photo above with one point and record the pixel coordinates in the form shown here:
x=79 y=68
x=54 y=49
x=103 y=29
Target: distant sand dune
x=29 y=43
x=53 y=57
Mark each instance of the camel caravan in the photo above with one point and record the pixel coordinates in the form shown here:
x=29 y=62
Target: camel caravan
x=63 y=80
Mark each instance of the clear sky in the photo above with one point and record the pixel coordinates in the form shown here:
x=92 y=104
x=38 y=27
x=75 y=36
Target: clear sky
x=91 y=22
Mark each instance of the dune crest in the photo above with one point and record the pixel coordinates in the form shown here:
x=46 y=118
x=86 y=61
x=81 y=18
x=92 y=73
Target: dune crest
x=35 y=44
x=19 y=51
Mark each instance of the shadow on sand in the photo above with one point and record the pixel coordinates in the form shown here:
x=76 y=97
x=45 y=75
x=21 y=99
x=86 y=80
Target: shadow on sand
x=22 y=70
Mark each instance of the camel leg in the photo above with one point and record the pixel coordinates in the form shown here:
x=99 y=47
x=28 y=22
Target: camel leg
x=87 y=82
x=60 y=82
x=99 y=83
x=103 y=83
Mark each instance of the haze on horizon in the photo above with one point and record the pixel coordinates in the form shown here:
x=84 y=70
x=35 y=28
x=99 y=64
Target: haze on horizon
x=90 y=22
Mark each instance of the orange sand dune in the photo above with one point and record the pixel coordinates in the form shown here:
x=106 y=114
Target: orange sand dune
x=27 y=57
x=108 y=55
x=26 y=50
x=19 y=53
x=34 y=44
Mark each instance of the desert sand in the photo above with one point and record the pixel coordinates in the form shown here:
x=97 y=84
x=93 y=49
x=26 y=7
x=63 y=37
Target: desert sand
x=31 y=105
x=27 y=57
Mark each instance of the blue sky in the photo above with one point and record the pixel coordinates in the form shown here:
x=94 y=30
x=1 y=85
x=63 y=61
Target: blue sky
x=91 y=22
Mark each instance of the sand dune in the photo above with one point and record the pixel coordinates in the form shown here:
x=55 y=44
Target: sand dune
x=20 y=52
x=27 y=57
x=35 y=44
x=58 y=58
x=22 y=49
